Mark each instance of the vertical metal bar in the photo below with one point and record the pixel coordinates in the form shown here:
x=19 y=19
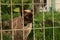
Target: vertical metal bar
x=23 y=19
x=33 y=21
x=43 y=25
x=12 y=22
x=0 y=21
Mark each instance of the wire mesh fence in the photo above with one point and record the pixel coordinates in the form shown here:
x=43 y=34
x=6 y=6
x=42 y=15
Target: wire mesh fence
x=29 y=20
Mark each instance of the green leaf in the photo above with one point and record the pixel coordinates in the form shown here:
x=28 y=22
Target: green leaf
x=16 y=10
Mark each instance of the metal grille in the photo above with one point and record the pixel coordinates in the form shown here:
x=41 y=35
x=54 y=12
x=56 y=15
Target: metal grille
x=45 y=25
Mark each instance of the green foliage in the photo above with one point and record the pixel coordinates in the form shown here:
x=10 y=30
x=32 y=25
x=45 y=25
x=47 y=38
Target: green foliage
x=7 y=37
x=6 y=17
x=6 y=9
x=17 y=1
x=5 y=1
x=26 y=6
x=38 y=18
x=27 y=1
x=49 y=34
x=57 y=16
x=57 y=34
x=38 y=34
x=48 y=15
x=16 y=10
x=6 y=12
x=16 y=15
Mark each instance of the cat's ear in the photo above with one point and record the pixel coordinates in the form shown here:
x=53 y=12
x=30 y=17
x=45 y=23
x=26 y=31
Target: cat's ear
x=29 y=10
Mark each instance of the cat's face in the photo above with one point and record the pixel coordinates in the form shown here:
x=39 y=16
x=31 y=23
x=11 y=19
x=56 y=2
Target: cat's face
x=28 y=17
